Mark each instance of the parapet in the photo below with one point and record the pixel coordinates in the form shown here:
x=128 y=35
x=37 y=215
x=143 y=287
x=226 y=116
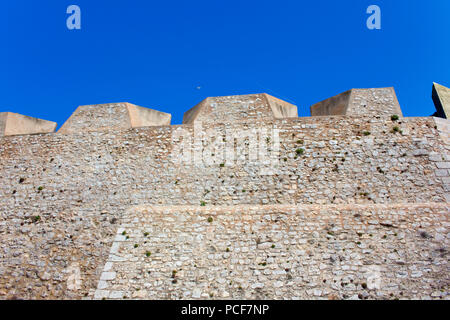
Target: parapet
x=113 y=116
x=240 y=107
x=16 y=124
x=441 y=99
x=360 y=102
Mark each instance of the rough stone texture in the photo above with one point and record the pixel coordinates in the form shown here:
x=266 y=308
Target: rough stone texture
x=66 y=199
x=441 y=99
x=17 y=124
x=37 y=254
x=362 y=102
x=278 y=252
x=113 y=116
x=240 y=108
x=339 y=164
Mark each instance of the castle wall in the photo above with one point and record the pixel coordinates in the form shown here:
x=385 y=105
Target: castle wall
x=240 y=108
x=388 y=251
x=278 y=252
x=339 y=164
x=80 y=185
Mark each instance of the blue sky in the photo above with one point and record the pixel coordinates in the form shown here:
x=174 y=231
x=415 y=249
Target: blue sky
x=157 y=53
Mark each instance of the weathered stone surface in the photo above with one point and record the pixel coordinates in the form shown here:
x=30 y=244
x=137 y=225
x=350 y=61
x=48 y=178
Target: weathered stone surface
x=16 y=124
x=108 y=210
x=313 y=252
x=441 y=99
x=113 y=116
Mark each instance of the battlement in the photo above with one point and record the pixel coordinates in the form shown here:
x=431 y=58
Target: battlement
x=441 y=99
x=239 y=108
x=360 y=102
x=113 y=116
x=379 y=102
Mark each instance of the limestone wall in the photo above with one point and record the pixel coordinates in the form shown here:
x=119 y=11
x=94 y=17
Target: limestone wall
x=337 y=200
x=279 y=252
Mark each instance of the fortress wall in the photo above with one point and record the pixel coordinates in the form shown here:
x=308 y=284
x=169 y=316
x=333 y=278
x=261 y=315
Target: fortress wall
x=278 y=252
x=81 y=184
x=113 y=170
x=17 y=124
x=389 y=251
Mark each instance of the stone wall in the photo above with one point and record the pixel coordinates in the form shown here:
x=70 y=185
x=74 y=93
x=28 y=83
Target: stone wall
x=360 y=102
x=278 y=252
x=374 y=102
x=305 y=208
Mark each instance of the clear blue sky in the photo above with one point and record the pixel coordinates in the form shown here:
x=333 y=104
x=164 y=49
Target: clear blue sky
x=156 y=53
